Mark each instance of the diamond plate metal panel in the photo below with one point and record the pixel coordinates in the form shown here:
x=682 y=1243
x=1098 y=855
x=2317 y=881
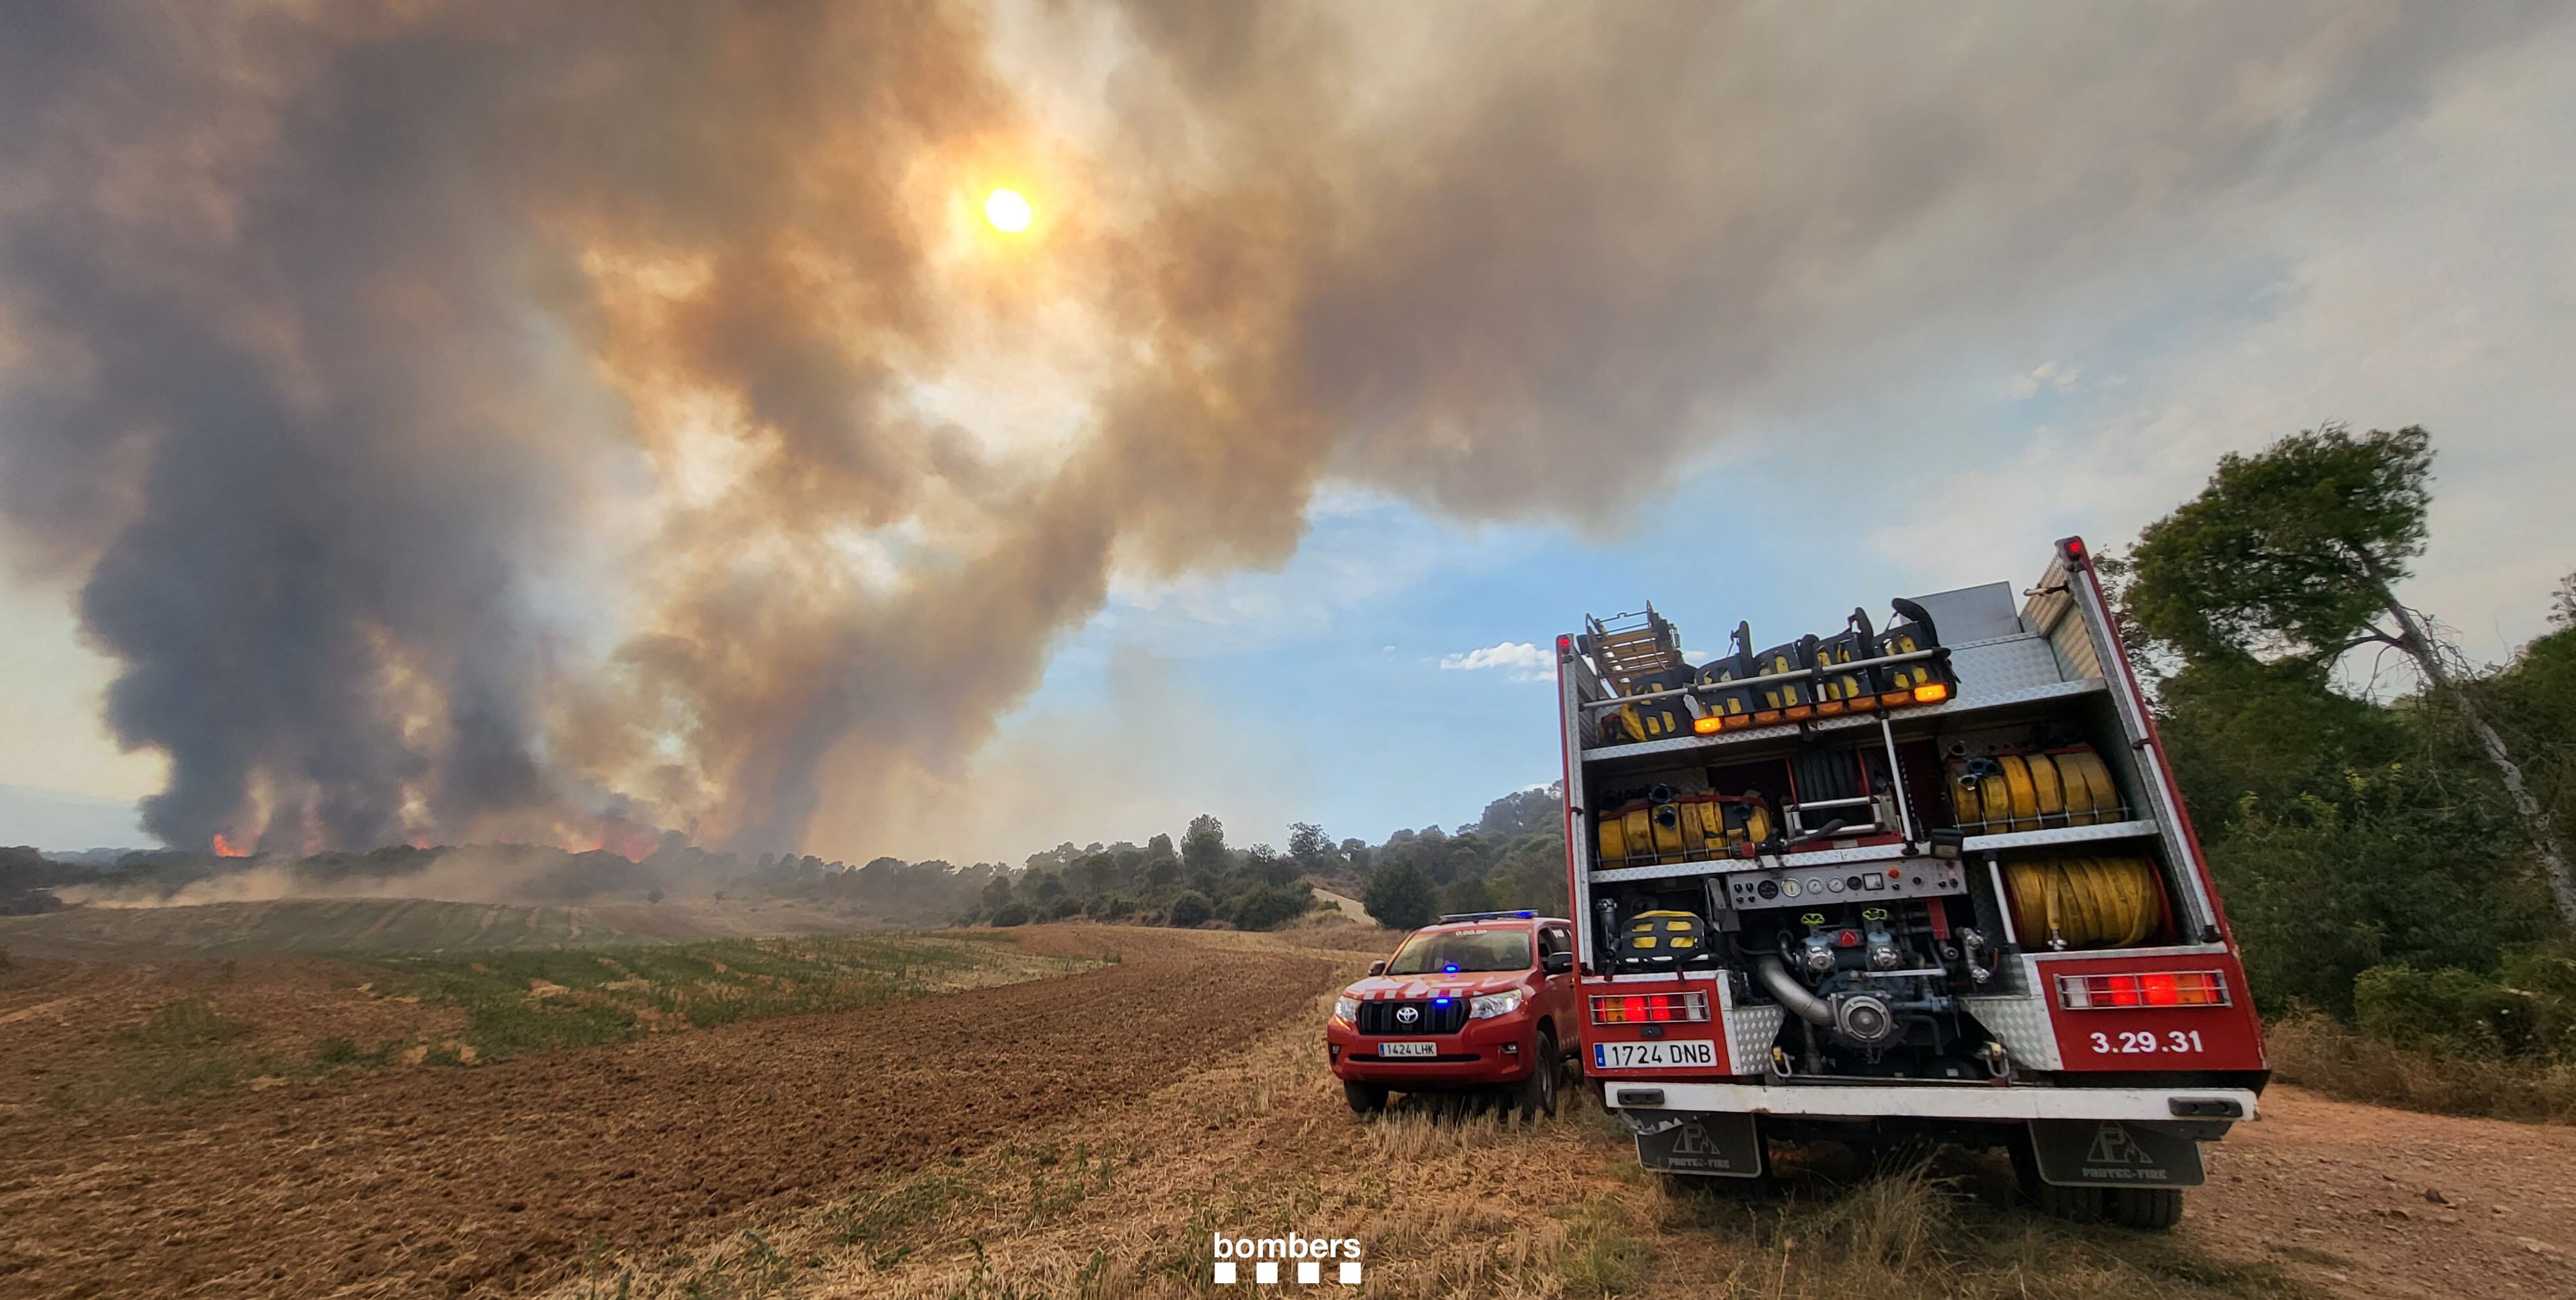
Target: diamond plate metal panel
x=1749 y=1031
x=2019 y=1021
x=2002 y=666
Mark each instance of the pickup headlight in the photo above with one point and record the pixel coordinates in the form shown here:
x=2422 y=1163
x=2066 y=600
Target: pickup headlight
x=1489 y=1005
x=1347 y=1010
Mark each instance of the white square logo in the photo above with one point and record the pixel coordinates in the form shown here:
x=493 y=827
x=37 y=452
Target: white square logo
x=1350 y=1272
x=1225 y=1272
x=1266 y=1272
x=1309 y=1271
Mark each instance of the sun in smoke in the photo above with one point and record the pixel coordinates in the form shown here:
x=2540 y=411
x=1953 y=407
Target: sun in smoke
x=1008 y=210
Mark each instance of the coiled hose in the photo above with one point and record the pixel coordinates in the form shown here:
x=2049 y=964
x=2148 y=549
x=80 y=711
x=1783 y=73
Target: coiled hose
x=2084 y=902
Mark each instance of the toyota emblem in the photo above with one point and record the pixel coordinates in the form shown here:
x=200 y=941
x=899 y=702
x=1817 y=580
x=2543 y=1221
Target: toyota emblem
x=1407 y=1015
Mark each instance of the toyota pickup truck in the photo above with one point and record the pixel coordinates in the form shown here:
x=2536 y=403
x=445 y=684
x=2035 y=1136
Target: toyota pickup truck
x=1477 y=1001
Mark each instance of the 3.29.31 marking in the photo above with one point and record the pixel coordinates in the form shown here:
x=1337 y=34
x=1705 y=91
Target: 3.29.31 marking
x=2146 y=1040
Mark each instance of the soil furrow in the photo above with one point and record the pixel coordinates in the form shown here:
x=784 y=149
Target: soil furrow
x=488 y=1180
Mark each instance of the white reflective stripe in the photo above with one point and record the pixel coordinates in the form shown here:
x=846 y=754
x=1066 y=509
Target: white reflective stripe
x=1929 y=1101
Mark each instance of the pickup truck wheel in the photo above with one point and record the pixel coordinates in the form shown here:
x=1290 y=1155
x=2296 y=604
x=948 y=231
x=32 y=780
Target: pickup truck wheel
x=1365 y=1098
x=2148 y=1209
x=1538 y=1091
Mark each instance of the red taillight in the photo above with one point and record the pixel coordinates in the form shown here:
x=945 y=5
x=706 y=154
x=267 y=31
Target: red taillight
x=2184 y=988
x=1648 y=1008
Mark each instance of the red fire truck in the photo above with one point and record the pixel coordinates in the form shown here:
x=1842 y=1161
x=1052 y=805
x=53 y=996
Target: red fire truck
x=1925 y=876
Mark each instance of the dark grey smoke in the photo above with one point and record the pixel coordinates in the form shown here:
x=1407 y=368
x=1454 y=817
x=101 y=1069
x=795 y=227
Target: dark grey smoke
x=357 y=356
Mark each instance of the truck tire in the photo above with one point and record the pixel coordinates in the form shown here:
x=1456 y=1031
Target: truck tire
x=1537 y=1093
x=2074 y=1204
x=1365 y=1098
x=2147 y=1209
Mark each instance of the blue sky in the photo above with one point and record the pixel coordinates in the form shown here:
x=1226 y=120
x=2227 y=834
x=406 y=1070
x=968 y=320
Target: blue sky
x=2157 y=247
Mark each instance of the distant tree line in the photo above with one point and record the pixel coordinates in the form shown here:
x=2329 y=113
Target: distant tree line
x=1512 y=857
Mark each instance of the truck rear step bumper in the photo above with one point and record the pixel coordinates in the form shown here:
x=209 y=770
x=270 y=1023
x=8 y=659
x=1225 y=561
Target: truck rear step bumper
x=1932 y=1101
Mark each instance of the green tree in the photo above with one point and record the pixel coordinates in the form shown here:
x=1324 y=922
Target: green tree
x=1309 y=845
x=1358 y=855
x=2240 y=730
x=1466 y=894
x=1399 y=896
x=2390 y=869
x=1525 y=812
x=1189 y=910
x=2296 y=553
x=1203 y=847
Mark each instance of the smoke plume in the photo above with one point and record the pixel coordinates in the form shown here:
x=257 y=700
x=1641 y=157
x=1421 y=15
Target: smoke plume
x=477 y=420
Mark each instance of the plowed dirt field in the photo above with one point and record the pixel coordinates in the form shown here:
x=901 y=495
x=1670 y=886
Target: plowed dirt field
x=493 y=1180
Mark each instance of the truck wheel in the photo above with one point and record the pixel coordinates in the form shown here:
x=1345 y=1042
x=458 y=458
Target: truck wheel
x=2075 y=1204
x=1365 y=1098
x=2148 y=1209
x=1538 y=1091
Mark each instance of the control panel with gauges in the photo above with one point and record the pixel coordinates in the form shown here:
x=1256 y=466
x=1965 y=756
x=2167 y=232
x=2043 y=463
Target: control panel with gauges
x=1806 y=886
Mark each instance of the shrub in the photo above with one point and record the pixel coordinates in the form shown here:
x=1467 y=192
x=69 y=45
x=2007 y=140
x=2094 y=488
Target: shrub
x=1190 y=909
x=1012 y=914
x=2312 y=1050
x=2446 y=1010
x=1064 y=908
x=1268 y=906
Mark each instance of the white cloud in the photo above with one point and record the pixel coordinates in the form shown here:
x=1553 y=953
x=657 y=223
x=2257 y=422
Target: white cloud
x=2048 y=374
x=1525 y=662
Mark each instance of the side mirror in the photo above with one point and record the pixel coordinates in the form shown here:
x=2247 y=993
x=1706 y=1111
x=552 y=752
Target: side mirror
x=1377 y=968
x=1557 y=963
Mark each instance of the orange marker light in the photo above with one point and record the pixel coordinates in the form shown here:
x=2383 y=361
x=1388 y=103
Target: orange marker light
x=1931 y=693
x=1708 y=726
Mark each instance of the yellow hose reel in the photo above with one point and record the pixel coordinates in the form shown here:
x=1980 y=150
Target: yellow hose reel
x=2084 y=902
x=2028 y=792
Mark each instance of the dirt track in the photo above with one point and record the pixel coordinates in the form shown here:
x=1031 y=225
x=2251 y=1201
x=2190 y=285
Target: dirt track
x=492 y=1180
x=2338 y=1194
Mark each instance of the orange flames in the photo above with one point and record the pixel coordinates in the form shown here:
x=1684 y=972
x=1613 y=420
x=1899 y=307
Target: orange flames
x=224 y=848
x=619 y=836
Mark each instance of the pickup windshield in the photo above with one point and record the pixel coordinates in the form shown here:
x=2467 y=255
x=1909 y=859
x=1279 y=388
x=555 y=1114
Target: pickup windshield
x=1460 y=950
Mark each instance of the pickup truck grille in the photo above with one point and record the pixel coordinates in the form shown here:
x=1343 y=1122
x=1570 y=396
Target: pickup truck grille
x=1381 y=1018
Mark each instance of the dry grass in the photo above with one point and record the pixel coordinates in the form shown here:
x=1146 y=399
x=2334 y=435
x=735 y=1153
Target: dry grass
x=2314 y=1051
x=1125 y=1205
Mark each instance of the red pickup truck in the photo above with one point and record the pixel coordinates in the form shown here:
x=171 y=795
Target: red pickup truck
x=1478 y=1000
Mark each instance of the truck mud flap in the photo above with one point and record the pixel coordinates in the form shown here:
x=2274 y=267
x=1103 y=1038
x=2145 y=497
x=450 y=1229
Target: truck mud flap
x=2114 y=1153
x=1710 y=1146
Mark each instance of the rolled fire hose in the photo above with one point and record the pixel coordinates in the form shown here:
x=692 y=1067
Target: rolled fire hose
x=1792 y=994
x=2085 y=902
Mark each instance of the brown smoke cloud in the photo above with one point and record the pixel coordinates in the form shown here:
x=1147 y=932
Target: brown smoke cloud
x=476 y=420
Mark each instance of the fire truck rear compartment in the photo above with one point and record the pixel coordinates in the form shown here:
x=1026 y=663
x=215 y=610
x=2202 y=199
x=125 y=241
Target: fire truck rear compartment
x=1928 y=884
